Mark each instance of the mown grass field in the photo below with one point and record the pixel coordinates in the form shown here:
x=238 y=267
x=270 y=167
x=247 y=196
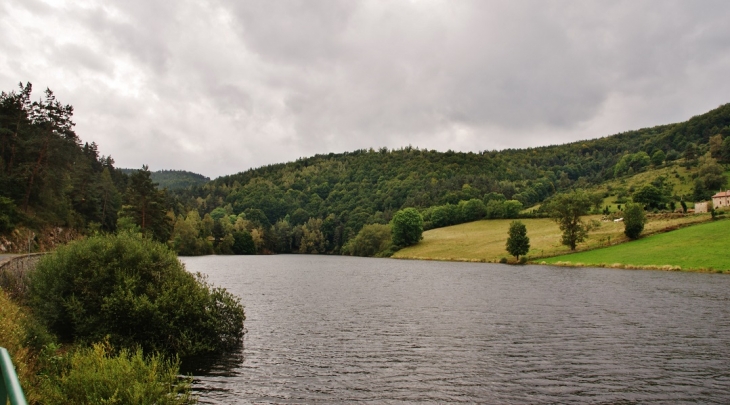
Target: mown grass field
x=701 y=247
x=485 y=240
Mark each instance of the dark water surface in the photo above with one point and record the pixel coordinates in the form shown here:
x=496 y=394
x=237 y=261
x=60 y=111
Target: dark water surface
x=324 y=329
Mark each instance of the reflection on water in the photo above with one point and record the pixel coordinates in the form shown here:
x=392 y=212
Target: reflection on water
x=340 y=329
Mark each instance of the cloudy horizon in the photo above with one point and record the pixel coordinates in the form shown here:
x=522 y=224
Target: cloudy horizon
x=217 y=87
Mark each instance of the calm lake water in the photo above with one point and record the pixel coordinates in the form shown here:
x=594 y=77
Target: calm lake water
x=327 y=329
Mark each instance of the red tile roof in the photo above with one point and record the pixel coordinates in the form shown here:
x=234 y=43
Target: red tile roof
x=722 y=194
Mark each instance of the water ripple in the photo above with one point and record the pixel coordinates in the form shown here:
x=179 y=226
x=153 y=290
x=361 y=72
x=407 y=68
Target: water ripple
x=340 y=330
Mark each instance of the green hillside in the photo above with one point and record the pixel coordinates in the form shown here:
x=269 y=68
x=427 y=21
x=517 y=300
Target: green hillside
x=349 y=190
x=705 y=247
x=485 y=240
x=48 y=179
x=174 y=179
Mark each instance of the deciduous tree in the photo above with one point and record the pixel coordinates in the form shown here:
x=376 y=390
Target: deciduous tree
x=518 y=243
x=634 y=220
x=407 y=227
x=567 y=210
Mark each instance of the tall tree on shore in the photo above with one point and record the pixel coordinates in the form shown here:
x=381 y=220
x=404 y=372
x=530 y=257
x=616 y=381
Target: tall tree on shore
x=407 y=227
x=567 y=210
x=53 y=143
x=144 y=204
x=518 y=243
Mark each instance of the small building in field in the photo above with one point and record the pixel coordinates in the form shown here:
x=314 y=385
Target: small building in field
x=721 y=200
x=700 y=207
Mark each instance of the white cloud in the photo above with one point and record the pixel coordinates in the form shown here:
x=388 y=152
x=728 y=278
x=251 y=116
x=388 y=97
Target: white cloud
x=219 y=86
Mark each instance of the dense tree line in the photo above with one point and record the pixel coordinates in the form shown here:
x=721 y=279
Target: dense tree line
x=350 y=190
x=319 y=204
x=47 y=176
x=174 y=179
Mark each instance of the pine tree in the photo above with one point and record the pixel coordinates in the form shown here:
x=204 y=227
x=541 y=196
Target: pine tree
x=145 y=205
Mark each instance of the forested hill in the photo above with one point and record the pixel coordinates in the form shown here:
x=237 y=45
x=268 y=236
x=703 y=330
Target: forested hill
x=174 y=179
x=49 y=179
x=367 y=186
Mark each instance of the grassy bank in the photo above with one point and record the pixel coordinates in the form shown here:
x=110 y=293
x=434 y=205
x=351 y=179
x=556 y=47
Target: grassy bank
x=485 y=240
x=702 y=247
x=76 y=374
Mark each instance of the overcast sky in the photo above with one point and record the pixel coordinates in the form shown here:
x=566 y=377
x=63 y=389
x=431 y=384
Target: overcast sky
x=220 y=86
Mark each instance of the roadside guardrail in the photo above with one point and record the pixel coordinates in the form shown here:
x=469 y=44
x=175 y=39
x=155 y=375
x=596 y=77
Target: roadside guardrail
x=10 y=389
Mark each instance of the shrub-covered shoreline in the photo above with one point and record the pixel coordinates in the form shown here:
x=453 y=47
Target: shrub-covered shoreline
x=107 y=320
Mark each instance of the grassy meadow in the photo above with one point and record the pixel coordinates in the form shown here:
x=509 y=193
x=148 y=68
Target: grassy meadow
x=702 y=247
x=485 y=240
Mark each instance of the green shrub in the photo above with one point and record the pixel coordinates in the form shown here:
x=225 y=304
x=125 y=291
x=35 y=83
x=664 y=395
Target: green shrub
x=370 y=241
x=634 y=220
x=243 y=243
x=96 y=375
x=137 y=293
x=407 y=227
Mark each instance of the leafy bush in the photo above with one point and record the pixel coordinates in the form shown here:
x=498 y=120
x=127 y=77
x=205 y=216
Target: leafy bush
x=472 y=210
x=97 y=376
x=370 y=241
x=634 y=220
x=137 y=293
x=407 y=227
x=243 y=243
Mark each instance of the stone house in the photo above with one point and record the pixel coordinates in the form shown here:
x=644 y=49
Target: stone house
x=700 y=207
x=721 y=200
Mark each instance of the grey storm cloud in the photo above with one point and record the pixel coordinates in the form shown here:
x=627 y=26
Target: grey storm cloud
x=220 y=86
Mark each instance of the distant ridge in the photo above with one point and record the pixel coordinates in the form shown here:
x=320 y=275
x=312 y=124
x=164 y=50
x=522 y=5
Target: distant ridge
x=174 y=179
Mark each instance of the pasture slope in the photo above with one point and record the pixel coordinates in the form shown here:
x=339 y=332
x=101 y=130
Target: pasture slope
x=484 y=241
x=703 y=247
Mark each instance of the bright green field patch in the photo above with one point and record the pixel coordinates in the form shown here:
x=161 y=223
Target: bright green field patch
x=704 y=246
x=485 y=240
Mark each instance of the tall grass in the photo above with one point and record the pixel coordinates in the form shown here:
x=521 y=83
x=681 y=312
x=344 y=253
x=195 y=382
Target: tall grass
x=97 y=375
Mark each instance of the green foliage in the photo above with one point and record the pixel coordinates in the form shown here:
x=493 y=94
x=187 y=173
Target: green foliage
x=243 y=243
x=186 y=239
x=512 y=208
x=495 y=209
x=45 y=171
x=7 y=214
x=566 y=210
x=313 y=240
x=725 y=150
x=650 y=196
x=694 y=247
x=98 y=375
x=137 y=293
x=218 y=213
x=145 y=206
x=178 y=179
x=518 y=243
x=710 y=178
x=658 y=157
x=407 y=227
x=631 y=162
x=370 y=241
x=634 y=220
x=472 y=210
x=444 y=215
